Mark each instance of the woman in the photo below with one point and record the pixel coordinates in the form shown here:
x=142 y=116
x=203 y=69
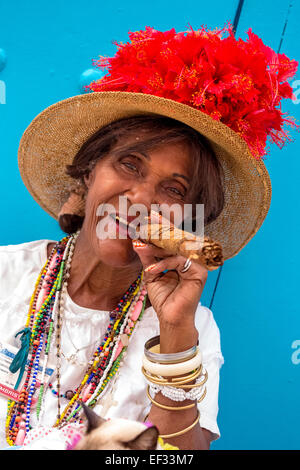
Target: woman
x=102 y=270
x=89 y=285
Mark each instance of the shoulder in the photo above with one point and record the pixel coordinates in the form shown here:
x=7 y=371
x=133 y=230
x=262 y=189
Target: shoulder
x=31 y=246
x=36 y=250
x=19 y=261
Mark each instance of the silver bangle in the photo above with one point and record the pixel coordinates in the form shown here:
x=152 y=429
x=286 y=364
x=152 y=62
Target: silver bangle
x=171 y=358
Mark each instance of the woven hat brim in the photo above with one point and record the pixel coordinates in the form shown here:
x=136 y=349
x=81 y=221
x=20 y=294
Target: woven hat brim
x=53 y=138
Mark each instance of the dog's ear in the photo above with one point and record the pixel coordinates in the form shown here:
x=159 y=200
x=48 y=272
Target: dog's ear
x=146 y=440
x=93 y=420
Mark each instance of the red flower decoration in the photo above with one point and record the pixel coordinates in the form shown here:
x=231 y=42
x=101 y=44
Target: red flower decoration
x=240 y=83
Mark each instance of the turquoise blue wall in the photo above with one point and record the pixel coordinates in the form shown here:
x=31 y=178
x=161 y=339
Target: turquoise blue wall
x=48 y=46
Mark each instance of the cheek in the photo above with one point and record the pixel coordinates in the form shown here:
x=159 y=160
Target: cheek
x=106 y=184
x=105 y=189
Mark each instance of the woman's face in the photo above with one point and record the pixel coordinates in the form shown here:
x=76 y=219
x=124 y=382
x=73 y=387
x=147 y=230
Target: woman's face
x=159 y=176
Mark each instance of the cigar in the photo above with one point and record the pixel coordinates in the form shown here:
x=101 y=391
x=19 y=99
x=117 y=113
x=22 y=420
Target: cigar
x=161 y=233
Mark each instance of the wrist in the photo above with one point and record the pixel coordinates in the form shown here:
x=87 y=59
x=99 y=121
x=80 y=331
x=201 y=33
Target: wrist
x=174 y=339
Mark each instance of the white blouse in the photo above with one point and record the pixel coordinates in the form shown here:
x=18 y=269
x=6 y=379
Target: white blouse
x=125 y=397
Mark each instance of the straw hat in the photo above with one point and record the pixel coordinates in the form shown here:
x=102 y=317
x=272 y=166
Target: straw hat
x=228 y=90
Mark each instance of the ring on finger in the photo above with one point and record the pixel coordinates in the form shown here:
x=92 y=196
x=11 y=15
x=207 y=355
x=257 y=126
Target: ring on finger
x=187 y=265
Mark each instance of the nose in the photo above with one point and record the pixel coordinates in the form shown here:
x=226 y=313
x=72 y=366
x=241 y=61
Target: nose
x=141 y=193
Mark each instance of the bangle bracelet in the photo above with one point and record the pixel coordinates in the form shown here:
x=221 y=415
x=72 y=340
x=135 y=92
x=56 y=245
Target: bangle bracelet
x=179 y=433
x=158 y=381
x=165 y=407
x=152 y=352
x=163 y=381
x=173 y=369
x=195 y=385
x=191 y=376
x=203 y=396
x=177 y=394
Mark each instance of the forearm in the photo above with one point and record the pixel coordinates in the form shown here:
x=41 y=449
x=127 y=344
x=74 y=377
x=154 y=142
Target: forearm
x=169 y=422
x=173 y=340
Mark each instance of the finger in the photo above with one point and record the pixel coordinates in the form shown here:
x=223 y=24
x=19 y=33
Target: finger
x=177 y=263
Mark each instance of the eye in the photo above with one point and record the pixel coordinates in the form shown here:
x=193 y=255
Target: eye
x=176 y=192
x=129 y=165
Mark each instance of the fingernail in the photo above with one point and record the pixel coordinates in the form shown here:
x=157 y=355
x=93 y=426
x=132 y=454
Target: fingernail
x=138 y=244
x=150 y=267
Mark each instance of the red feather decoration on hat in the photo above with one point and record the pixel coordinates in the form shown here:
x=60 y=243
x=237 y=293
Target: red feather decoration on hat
x=240 y=83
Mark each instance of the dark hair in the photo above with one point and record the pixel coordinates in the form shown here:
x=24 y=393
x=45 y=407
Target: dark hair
x=208 y=177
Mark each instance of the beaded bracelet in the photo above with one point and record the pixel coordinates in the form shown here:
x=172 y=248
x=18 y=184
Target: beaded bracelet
x=176 y=394
x=166 y=407
x=174 y=391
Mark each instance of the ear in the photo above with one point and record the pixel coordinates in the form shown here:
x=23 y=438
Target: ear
x=147 y=440
x=93 y=420
x=89 y=178
x=86 y=179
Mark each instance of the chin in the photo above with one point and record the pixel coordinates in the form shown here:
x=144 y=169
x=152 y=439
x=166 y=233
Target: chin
x=117 y=252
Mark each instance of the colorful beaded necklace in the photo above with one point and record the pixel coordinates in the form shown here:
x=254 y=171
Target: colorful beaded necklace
x=44 y=318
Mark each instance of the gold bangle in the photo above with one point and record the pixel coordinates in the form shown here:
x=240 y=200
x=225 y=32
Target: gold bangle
x=164 y=381
x=158 y=381
x=202 y=396
x=178 y=384
x=178 y=379
x=179 y=433
x=165 y=407
x=199 y=384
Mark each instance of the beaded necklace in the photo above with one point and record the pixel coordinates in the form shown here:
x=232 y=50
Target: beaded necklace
x=44 y=318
